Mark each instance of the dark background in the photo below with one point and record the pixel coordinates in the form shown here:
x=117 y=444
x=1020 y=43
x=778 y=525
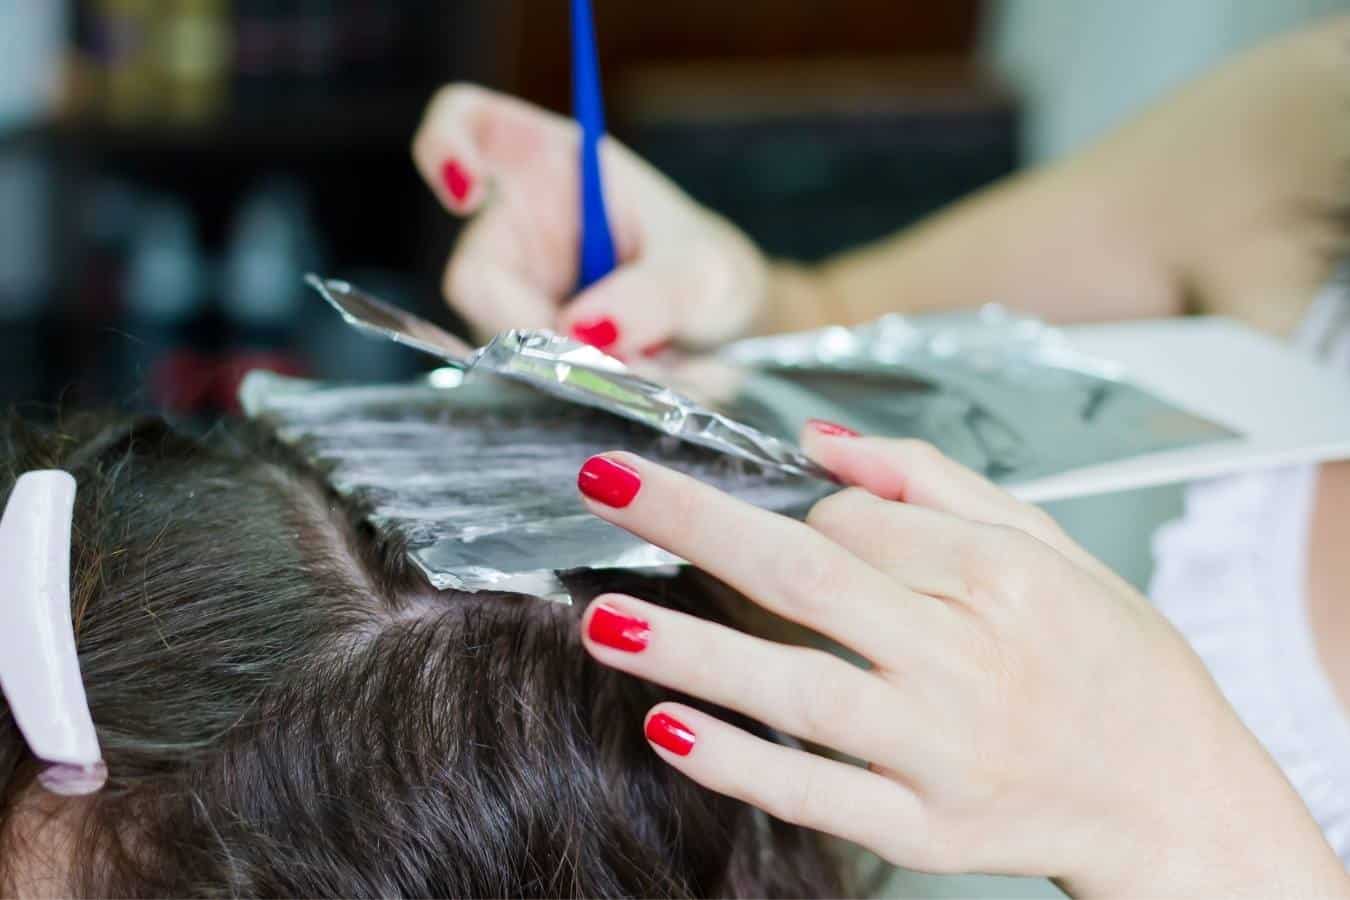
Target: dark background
x=209 y=152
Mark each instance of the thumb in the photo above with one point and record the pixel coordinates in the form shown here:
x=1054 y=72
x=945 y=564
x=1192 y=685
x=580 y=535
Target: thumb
x=471 y=136
x=629 y=313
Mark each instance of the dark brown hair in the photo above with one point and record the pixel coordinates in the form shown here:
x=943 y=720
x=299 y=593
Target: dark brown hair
x=286 y=708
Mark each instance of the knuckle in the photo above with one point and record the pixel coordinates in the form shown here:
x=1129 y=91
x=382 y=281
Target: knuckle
x=837 y=512
x=686 y=511
x=445 y=114
x=804 y=583
x=438 y=112
x=454 y=94
x=1009 y=543
x=1004 y=541
x=1024 y=557
x=803 y=803
x=820 y=699
x=920 y=453
x=996 y=560
x=1036 y=522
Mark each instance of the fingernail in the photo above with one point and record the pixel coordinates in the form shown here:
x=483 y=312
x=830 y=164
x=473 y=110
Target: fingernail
x=608 y=482
x=656 y=349
x=457 y=180
x=831 y=428
x=669 y=733
x=599 y=333
x=615 y=629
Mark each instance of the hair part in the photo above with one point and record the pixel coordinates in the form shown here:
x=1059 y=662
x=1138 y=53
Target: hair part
x=286 y=707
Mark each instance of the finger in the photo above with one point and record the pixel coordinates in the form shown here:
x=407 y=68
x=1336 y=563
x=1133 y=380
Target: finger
x=629 y=314
x=789 y=784
x=927 y=550
x=784 y=566
x=917 y=473
x=446 y=152
x=805 y=692
x=488 y=290
x=470 y=135
x=940 y=554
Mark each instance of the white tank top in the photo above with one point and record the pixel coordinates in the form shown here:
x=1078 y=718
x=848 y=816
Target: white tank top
x=1231 y=574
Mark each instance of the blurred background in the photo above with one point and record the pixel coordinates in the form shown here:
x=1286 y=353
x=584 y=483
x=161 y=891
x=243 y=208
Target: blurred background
x=170 y=168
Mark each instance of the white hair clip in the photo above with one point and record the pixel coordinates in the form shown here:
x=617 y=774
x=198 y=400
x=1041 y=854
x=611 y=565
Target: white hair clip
x=39 y=671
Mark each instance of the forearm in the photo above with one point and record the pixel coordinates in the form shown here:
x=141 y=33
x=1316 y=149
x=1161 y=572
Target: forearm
x=1230 y=197
x=1049 y=243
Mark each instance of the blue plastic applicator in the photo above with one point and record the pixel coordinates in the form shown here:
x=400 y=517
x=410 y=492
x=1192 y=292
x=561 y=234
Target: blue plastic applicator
x=597 y=241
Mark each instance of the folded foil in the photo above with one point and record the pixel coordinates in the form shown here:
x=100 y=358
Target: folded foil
x=573 y=371
x=478 y=478
x=476 y=473
x=1003 y=394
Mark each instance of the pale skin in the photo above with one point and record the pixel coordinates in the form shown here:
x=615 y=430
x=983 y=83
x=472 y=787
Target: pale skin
x=1023 y=710
x=1026 y=712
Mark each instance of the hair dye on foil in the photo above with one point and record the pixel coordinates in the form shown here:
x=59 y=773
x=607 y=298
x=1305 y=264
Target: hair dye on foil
x=572 y=371
x=477 y=474
x=478 y=479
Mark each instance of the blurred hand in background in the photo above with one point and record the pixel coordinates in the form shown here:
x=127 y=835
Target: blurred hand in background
x=685 y=276
x=1226 y=198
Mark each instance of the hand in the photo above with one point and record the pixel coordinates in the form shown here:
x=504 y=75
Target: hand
x=685 y=275
x=1024 y=710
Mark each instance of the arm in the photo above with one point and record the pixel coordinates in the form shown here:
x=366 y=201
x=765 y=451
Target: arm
x=1230 y=197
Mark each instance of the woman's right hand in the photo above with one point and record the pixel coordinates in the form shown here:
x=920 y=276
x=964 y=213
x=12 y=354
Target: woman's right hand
x=685 y=276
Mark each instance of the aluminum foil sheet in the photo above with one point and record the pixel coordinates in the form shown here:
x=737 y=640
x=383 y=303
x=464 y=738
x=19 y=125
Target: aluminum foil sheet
x=572 y=371
x=478 y=477
x=475 y=468
x=1003 y=394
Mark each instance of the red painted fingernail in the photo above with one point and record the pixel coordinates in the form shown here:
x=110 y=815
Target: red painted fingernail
x=619 y=630
x=608 y=482
x=669 y=733
x=656 y=349
x=832 y=429
x=599 y=333
x=457 y=181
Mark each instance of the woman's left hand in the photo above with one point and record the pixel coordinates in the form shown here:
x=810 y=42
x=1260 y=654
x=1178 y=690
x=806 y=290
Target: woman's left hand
x=1023 y=711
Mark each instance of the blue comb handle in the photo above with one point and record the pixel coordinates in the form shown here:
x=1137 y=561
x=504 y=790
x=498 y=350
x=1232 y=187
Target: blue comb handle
x=597 y=242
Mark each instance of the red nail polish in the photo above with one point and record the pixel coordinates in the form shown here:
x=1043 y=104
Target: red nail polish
x=669 y=733
x=656 y=349
x=619 y=630
x=457 y=181
x=608 y=482
x=599 y=333
x=832 y=429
